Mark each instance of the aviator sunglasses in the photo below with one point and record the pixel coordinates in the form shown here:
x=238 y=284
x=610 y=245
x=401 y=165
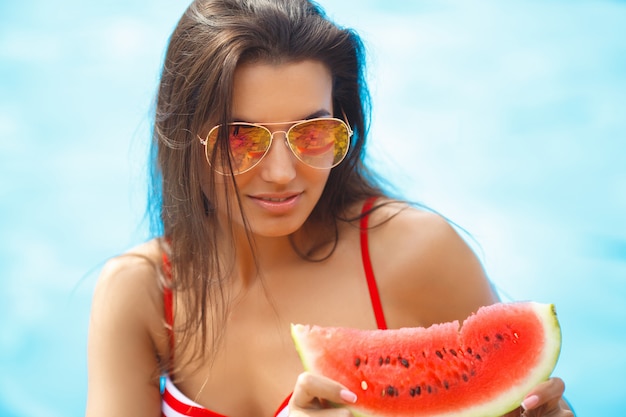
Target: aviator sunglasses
x=320 y=143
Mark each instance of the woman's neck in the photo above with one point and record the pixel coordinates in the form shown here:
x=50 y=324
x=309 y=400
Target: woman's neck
x=251 y=254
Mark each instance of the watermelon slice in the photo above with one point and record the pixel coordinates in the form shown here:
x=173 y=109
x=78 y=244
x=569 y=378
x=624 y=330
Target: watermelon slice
x=484 y=369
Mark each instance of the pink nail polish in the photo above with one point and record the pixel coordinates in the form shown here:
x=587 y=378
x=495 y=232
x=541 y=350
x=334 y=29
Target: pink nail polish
x=530 y=402
x=347 y=396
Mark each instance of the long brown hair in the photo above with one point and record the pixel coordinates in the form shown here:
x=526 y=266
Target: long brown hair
x=211 y=39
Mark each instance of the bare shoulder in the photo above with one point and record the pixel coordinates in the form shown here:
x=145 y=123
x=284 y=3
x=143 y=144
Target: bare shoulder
x=126 y=335
x=398 y=215
x=130 y=278
x=407 y=230
x=427 y=270
x=129 y=292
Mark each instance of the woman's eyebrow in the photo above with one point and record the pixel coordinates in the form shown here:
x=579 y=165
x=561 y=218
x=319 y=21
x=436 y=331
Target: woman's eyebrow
x=319 y=113
x=315 y=115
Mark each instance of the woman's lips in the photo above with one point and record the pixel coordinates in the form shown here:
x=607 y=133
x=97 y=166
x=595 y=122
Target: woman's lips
x=277 y=204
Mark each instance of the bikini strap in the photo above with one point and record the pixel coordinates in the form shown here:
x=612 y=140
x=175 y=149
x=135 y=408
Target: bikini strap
x=168 y=300
x=367 y=266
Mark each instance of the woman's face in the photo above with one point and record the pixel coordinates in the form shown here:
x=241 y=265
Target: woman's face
x=279 y=193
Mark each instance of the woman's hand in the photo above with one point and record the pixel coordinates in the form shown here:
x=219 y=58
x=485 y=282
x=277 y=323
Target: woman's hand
x=546 y=400
x=312 y=394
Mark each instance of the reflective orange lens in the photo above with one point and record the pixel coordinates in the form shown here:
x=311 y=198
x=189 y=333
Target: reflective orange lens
x=248 y=144
x=320 y=143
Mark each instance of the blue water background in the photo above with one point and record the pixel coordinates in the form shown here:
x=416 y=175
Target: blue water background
x=508 y=117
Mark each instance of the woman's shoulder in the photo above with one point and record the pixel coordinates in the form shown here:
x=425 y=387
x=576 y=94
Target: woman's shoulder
x=417 y=238
x=139 y=265
x=400 y=222
x=425 y=265
x=126 y=332
x=129 y=286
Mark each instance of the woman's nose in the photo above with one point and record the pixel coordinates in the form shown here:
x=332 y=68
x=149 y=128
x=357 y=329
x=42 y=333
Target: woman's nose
x=279 y=164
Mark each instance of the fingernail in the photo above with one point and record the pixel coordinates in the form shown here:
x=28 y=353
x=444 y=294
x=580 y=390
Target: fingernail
x=530 y=402
x=347 y=396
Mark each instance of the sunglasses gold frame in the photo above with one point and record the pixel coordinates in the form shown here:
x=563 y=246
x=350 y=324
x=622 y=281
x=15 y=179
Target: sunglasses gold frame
x=293 y=124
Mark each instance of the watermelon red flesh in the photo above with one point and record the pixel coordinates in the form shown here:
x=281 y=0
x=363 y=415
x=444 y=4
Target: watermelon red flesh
x=485 y=369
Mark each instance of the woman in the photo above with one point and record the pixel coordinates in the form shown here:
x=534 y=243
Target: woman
x=261 y=195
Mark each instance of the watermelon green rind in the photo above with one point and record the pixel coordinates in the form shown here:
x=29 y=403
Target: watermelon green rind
x=498 y=399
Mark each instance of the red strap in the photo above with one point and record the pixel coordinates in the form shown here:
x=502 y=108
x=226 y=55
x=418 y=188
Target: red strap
x=367 y=265
x=168 y=301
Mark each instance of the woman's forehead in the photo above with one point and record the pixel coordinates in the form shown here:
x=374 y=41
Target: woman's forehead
x=266 y=92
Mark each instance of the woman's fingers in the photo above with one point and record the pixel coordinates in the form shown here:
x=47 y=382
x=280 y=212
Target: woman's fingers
x=546 y=392
x=312 y=394
x=546 y=400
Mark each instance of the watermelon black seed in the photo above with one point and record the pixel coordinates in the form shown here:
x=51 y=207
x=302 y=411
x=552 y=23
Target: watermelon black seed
x=439 y=354
x=499 y=337
x=415 y=391
x=486 y=338
x=453 y=352
x=380 y=361
x=446 y=385
x=429 y=389
x=478 y=357
x=387 y=360
x=404 y=362
x=465 y=377
x=391 y=390
x=469 y=350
